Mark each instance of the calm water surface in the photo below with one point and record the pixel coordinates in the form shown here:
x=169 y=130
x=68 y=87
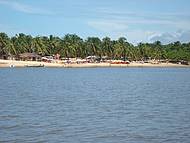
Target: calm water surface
x=96 y=105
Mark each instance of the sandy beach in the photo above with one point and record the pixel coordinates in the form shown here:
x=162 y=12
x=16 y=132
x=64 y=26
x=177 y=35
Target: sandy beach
x=9 y=63
x=13 y=63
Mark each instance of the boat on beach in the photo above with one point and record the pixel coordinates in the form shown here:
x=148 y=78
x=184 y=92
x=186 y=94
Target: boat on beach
x=36 y=66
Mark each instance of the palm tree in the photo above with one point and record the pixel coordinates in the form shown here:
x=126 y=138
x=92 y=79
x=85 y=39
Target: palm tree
x=72 y=45
x=6 y=45
x=39 y=46
x=77 y=45
x=145 y=50
x=107 y=47
x=121 y=48
x=54 y=44
x=94 y=46
x=22 y=43
x=158 y=50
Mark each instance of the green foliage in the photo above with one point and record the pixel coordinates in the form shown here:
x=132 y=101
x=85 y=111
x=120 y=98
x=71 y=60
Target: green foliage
x=71 y=45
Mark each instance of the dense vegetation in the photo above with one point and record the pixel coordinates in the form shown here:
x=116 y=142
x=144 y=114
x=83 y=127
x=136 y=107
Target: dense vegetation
x=72 y=45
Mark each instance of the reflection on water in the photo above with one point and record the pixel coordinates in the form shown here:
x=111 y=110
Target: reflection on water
x=137 y=105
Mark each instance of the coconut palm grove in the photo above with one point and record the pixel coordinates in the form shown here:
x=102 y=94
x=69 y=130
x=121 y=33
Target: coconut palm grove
x=72 y=45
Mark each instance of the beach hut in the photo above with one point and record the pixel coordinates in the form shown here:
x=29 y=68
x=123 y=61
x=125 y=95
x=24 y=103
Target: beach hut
x=29 y=57
x=8 y=57
x=4 y=57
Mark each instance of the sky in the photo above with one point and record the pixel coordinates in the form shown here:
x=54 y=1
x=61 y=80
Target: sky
x=137 y=20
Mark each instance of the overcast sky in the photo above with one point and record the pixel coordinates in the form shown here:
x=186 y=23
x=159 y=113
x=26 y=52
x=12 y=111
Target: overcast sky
x=137 y=20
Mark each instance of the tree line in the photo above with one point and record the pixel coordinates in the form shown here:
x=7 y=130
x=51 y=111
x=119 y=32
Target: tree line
x=71 y=45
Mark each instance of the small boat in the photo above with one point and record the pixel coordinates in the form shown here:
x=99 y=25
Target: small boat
x=36 y=66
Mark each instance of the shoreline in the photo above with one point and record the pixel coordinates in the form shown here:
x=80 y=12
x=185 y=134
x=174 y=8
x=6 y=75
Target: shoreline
x=21 y=64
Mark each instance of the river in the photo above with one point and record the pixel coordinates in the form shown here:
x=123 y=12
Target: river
x=96 y=105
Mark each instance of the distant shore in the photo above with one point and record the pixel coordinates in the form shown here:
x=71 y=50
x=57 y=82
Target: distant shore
x=13 y=63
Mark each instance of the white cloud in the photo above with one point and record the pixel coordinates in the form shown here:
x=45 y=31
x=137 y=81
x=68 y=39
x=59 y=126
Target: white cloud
x=138 y=27
x=116 y=29
x=119 y=28
x=173 y=20
x=137 y=36
x=182 y=36
x=25 y=8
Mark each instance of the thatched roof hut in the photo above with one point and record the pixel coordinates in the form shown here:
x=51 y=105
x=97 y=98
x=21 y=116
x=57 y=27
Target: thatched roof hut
x=29 y=57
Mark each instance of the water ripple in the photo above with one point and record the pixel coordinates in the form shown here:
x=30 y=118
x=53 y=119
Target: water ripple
x=95 y=105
